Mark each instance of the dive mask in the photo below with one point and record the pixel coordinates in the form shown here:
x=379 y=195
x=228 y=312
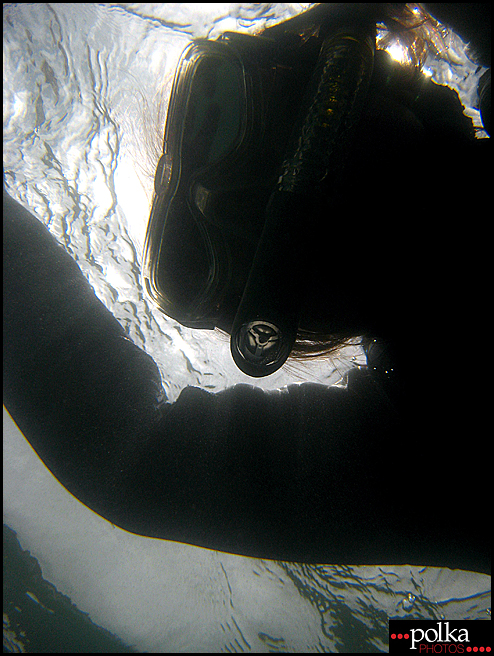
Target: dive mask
x=244 y=143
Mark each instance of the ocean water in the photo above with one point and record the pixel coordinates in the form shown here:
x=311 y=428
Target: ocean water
x=85 y=94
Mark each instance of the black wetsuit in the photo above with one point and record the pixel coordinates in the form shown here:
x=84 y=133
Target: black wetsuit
x=309 y=473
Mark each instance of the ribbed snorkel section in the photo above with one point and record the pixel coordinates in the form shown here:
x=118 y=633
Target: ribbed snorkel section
x=331 y=106
x=266 y=323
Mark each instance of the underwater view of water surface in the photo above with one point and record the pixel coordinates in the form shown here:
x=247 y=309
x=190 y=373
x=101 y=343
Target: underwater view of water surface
x=86 y=90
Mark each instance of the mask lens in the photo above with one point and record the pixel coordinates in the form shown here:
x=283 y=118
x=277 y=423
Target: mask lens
x=180 y=283
x=213 y=123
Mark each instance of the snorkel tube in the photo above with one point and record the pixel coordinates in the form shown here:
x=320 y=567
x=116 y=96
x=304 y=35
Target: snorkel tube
x=267 y=319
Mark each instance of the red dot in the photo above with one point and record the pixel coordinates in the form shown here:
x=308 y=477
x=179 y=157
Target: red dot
x=393 y=636
x=400 y=636
x=469 y=649
x=475 y=649
x=406 y=636
x=481 y=649
x=487 y=648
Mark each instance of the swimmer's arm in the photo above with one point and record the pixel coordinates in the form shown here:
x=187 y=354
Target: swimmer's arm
x=305 y=474
x=73 y=382
x=242 y=470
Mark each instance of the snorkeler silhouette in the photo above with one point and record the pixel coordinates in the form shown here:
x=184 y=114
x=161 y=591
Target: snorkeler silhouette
x=294 y=209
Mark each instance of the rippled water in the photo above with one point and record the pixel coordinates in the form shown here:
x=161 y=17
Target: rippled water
x=85 y=94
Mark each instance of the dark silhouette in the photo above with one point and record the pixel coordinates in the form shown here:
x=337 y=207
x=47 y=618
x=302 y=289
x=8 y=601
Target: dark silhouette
x=393 y=469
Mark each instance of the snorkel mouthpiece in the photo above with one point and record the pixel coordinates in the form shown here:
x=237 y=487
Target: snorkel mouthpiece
x=259 y=347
